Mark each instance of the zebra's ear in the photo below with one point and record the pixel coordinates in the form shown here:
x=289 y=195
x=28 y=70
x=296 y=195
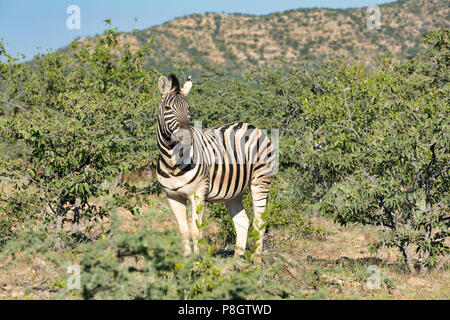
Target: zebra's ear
x=186 y=87
x=163 y=85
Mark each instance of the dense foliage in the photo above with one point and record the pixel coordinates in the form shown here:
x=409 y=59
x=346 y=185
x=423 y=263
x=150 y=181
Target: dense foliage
x=83 y=119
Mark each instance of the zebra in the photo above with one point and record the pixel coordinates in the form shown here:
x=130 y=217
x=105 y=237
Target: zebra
x=212 y=165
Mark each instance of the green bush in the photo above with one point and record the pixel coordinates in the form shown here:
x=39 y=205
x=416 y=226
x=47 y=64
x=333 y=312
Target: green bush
x=146 y=265
x=83 y=117
x=372 y=146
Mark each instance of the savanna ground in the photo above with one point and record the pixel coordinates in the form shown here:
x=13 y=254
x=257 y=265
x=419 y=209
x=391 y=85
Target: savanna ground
x=332 y=264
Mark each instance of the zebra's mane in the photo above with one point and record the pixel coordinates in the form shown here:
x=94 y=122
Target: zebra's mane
x=175 y=84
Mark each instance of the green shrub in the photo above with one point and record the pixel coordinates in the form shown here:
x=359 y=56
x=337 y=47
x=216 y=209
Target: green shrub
x=145 y=265
x=83 y=117
x=372 y=146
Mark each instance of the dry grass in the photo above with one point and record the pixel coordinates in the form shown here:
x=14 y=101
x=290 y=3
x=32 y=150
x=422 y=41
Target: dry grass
x=335 y=264
x=339 y=265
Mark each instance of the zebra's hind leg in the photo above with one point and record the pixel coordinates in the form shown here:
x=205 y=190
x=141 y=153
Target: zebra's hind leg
x=260 y=192
x=178 y=206
x=237 y=213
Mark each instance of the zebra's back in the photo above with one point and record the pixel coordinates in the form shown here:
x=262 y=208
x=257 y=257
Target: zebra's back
x=238 y=154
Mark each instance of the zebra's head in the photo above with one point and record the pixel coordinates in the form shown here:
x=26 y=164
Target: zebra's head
x=173 y=113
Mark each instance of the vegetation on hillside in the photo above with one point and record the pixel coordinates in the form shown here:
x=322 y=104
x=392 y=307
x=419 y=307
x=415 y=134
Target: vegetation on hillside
x=236 y=41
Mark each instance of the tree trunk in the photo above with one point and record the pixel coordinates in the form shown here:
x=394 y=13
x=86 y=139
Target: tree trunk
x=59 y=217
x=408 y=258
x=76 y=216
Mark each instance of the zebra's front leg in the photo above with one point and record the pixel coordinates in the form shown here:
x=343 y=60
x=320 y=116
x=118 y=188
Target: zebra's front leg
x=178 y=206
x=198 y=207
x=237 y=213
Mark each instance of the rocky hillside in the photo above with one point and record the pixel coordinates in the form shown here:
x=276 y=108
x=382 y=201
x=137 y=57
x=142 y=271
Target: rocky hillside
x=235 y=41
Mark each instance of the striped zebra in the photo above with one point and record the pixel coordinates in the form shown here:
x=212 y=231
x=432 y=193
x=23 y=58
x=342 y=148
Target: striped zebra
x=214 y=165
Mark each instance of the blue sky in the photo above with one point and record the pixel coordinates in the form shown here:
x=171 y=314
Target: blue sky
x=35 y=26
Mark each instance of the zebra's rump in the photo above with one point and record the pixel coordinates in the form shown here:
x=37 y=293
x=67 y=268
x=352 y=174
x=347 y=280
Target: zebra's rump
x=237 y=154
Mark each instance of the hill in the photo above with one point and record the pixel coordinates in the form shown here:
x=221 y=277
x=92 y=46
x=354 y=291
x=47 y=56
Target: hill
x=236 y=41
